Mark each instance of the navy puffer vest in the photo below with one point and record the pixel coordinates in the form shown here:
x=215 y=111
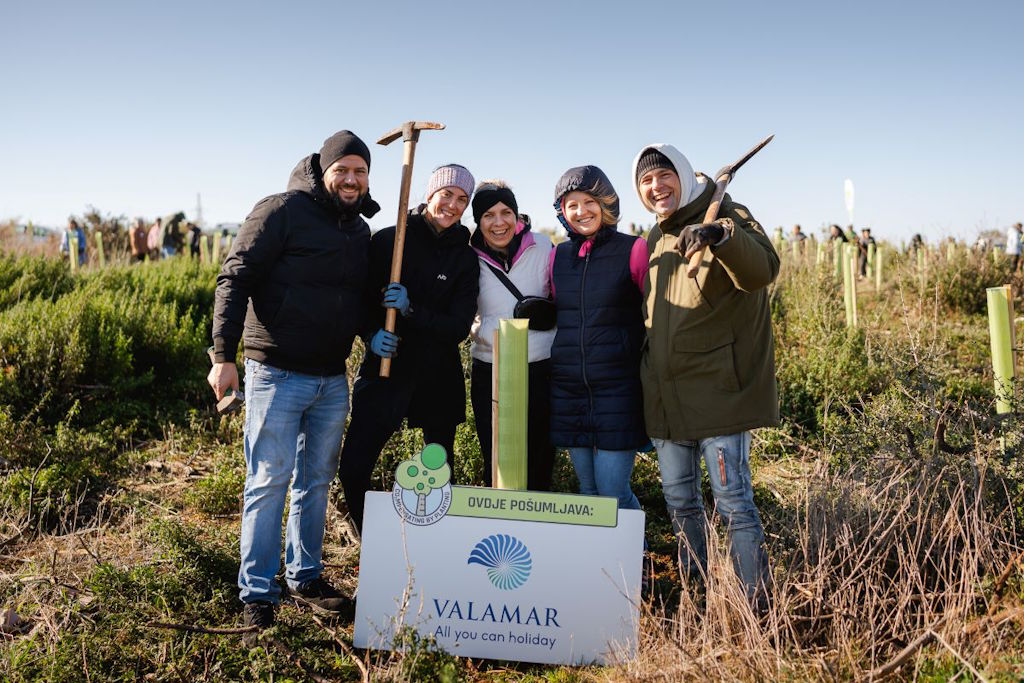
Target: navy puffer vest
x=596 y=397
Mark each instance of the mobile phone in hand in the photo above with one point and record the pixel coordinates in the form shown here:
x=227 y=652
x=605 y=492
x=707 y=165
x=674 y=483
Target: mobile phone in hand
x=232 y=400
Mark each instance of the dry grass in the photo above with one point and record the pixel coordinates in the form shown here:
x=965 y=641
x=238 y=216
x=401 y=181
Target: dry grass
x=875 y=565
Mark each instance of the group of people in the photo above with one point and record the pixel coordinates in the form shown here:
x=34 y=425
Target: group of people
x=636 y=353
x=163 y=239
x=863 y=244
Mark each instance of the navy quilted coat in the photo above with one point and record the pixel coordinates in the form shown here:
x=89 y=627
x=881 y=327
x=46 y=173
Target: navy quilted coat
x=596 y=396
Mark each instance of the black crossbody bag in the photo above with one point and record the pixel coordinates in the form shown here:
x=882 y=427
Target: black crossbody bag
x=538 y=310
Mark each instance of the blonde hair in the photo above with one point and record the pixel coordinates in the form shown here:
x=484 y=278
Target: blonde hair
x=606 y=202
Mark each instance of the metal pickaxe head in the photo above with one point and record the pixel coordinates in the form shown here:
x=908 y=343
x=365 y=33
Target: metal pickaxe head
x=408 y=131
x=731 y=169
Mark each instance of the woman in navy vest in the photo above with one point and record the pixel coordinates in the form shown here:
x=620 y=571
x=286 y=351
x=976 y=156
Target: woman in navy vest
x=597 y=281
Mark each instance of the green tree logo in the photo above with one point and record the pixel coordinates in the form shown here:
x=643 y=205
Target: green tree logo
x=424 y=473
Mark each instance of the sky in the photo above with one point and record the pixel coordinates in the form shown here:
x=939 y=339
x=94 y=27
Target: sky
x=135 y=108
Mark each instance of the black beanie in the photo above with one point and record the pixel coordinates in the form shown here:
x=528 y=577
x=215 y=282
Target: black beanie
x=650 y=160
x=343 y=143
x=485 y=199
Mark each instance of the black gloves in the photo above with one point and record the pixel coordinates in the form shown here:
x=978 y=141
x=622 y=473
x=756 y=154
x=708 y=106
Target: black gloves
x=695 y=237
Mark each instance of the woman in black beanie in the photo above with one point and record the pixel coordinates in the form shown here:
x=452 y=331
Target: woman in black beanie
x=511 y=253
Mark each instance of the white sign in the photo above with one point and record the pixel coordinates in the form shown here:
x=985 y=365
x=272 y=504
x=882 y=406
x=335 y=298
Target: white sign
x=560 y=591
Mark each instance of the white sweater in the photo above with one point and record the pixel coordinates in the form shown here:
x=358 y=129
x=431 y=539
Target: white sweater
x=530 y=274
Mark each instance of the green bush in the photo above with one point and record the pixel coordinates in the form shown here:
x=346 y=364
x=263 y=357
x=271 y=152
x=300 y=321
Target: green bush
x=218 y=493
x=55 y=475
x=962 y=281
x=128 y=344
x=819 y=362
x=30 y=277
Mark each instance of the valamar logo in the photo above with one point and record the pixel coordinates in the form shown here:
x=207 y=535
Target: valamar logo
x=507 y=560
x=423 y=490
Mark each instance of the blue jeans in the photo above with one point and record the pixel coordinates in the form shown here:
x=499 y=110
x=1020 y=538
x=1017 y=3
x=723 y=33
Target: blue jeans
x=293 y=429
x=605 y=473
x=728 y=463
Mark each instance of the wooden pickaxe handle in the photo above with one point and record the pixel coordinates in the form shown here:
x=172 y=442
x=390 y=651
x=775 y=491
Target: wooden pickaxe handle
x=721 y=182
x=410 y=134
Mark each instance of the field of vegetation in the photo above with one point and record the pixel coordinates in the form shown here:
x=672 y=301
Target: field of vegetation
x=892 y=497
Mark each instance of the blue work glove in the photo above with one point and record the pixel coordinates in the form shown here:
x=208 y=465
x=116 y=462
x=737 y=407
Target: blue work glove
x=396 y=296
x=384 y=343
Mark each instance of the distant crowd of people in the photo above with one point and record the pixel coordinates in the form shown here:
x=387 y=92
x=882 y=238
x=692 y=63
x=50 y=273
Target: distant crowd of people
x=163 y=238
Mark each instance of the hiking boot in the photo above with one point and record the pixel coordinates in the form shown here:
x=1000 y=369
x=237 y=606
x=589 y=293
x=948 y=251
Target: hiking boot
x=259 y=614
x=320 y=595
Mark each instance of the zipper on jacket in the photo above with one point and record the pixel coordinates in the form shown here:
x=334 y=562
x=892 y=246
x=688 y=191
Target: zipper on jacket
x=583 y=328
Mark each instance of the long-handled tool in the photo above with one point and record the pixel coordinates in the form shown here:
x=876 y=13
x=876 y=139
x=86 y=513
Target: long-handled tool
x=410 y=134
x=724 y=176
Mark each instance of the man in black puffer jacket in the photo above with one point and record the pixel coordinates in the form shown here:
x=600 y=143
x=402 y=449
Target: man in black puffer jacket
x=436 y=301
x=296 y=277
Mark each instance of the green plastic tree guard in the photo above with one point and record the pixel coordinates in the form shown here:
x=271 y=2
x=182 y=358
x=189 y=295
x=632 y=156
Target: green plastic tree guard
x=511 y=361
x=216 y=248
x=1001 y=334
x=73 y=252
x=99 y=249
x=879 y=260
x=849 y=285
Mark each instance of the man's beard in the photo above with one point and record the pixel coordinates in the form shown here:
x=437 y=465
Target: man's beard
x=341 y=206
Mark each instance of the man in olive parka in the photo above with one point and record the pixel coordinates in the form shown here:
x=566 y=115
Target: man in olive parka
x=708 y=368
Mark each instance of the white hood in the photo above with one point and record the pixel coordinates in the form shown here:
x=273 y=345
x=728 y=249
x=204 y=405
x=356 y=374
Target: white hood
x=691 y=186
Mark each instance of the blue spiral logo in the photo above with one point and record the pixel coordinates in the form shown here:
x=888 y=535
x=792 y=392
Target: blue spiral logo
x=506 y=558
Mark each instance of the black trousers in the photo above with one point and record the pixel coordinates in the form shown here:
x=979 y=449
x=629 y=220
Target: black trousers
x=540 y=453
x=378 y=407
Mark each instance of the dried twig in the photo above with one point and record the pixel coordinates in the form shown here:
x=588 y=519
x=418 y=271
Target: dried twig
x=88 y=550
x=1000 y=583
x=940 y=440
x=294 y=659
x=901 y=658
x=956 y=654
x=344 y=646
x=202 y=629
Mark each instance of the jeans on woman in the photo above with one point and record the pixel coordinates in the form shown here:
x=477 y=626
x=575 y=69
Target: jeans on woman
x=727 y=459
x=605 y=473
x=293 y=429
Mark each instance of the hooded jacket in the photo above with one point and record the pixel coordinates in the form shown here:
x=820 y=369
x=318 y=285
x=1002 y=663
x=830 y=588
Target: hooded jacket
x=441 y=274
x=596 y=396
x=708 y=366
x=293 y=285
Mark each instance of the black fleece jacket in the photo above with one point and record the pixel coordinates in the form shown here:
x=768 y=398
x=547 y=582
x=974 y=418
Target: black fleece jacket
x=442 y=275
x=296 y=277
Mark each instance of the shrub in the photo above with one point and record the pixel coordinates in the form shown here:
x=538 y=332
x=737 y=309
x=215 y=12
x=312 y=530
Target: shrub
x=127 y=344
x=218 y=493
x=26 y=278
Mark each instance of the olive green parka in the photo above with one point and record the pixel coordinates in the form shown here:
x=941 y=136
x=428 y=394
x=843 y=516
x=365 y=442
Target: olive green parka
x=708 y=366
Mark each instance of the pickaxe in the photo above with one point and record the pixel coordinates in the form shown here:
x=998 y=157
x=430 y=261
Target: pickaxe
x=410 y=134
x=724 y=176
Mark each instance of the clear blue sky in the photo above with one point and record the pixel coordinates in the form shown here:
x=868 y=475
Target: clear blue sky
x=135 y=107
